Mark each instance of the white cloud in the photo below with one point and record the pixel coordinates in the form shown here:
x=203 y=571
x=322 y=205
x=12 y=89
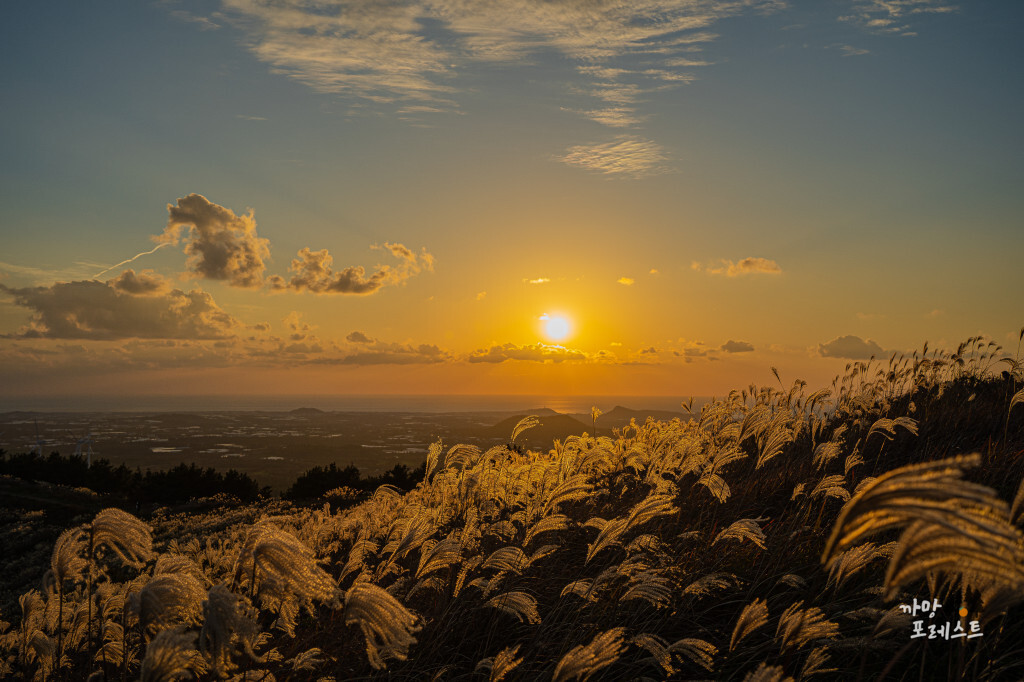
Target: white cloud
x=626 y=155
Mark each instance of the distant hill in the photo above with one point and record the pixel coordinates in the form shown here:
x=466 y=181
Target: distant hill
x=306 y=411
x=619 y=416
x=552 y=426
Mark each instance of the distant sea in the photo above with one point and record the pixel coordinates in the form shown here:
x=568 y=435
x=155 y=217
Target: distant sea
x=340 y=403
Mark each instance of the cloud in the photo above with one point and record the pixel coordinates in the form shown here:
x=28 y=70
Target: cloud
x=731 y=346
x=654 y=271
x=107 y=310
x=746 y=266
x=481 y=295
x=539 y=280
x=313 y=272
x=891 y=16
x=627 y=281
x=220 y=244
x=850 y=51
x=144 y=283
x=538 y=352
x=626 y=155
x=300 y=331
x=414 y=50
x=851 y=347
x=358 y=337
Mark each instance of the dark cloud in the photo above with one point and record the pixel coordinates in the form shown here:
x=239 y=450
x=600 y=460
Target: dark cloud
x=220 y=244
x=145 y=283
x=538 y=352
x=101 y=311
x=358 y=337
x=850 y=347
x=731 y=346
x=313 y=272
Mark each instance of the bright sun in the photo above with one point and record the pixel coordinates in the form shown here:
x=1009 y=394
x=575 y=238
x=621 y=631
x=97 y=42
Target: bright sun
x=556 y=327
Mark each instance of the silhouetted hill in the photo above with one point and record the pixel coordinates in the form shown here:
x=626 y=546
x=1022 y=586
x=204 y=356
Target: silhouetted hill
x=306 y=411
x=553 y=425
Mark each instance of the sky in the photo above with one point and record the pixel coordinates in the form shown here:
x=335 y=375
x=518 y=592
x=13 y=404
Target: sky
x=557 y=197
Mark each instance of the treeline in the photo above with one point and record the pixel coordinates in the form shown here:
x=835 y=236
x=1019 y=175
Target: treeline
x=179 y=484
x=319 y=480
x=188 y=481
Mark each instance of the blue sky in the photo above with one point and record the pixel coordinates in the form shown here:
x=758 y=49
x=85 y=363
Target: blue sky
x=682 y=173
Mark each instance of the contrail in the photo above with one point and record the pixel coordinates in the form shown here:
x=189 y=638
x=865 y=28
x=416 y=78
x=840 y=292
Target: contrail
x=138 y=255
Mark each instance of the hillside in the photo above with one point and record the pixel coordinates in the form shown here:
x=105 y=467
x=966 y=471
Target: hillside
x=774 y=537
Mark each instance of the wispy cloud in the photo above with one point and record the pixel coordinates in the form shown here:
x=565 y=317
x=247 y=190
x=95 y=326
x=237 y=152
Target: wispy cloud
x=626 y=281
x=630 y=156
x=414 y=49
x=747 y=266
x=539 y=280
x=893 y=16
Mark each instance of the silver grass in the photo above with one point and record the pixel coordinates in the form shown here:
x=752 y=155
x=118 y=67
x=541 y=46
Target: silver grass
x=826 y=452
x=744 y=529
x=657 y=647
x=798 y=627
x=524 y=424
x=554 y=522
x=254 y=676
x=585 y=660
x=308 y=660
x=609 y=535
x=573 y=488
x=417 y=532
x=647 y=542
x=469 y=565
x=792 y=580
x=506 y=559
x=852 y=460
x=651 y=507
x=932 y=491
x=581 y=588
x=445 y=553
x=280 y=557
x=797 y=491
x=1018 y=502
x=227 y=618
x=171 y=656
x=753 y=616
x=357 y=556
x=649 y=586
x=123 y=534
x=847 y=564
x=167 y=600
x=697 y=650
x=704 y=586
x=541 y=552
x=814 y=665
x=518 y=604
x=387 y=625
x=500 y=665
x=893 y=621
x=67 y=562
x=768 y=673
x=494 y=583
x=831 y=486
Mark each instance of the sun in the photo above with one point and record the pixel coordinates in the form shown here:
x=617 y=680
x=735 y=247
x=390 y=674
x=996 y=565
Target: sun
x=556 y=327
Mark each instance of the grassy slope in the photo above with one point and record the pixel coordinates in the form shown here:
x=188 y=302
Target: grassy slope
x=635 y=554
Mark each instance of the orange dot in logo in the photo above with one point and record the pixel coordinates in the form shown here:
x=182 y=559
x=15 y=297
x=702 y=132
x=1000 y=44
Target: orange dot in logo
x=963 y=611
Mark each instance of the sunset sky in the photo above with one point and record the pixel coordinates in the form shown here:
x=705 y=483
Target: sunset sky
x=374 y=196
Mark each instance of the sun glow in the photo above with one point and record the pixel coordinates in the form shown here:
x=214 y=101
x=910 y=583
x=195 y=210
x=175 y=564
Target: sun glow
x=556 y=327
